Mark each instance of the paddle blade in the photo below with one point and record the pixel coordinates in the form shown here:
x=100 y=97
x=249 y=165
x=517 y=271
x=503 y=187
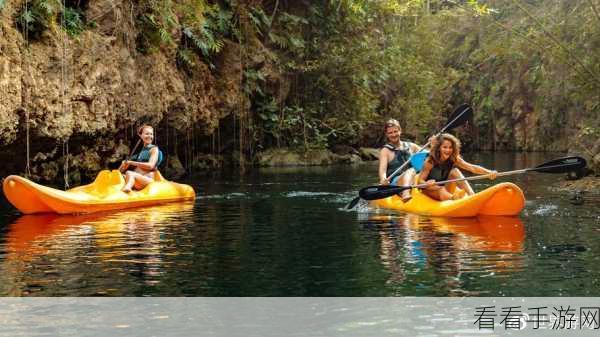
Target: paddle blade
x=353 y=203
x=380 y=191
x=459 y=117
x=561 y=165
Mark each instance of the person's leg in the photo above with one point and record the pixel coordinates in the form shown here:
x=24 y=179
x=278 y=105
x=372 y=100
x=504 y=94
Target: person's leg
x=464 y=185
x=441 y=194
x=406 y=179
x=142 y=181
x=444 y=194
x=129 y=181
x=135 y=179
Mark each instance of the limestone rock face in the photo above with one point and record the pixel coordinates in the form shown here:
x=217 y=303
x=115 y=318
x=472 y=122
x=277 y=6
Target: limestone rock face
x=589 y=148
x=78 y=90
x=367 y=153
x=291 y=157
x=280 y=157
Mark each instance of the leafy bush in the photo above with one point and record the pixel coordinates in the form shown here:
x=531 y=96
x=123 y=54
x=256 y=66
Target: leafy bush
x=37 y=16
x=72 y=21
x=192 y=26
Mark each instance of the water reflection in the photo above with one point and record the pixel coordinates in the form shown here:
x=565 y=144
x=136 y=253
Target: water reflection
x=286 y=233
x=446 y=253
x=49 y=254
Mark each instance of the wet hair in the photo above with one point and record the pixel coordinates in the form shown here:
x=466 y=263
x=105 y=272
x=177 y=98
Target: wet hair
x=144 y=126
x=435 y=155
x=391 y=123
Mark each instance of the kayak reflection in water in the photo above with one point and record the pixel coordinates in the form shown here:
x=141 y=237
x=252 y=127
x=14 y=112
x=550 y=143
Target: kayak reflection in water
x=435 y=253
x=145 y=162
x=108 y=253
x=393 y=155
x=443 y=163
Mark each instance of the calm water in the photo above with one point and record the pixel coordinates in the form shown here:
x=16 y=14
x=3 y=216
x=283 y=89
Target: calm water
x=284 y=232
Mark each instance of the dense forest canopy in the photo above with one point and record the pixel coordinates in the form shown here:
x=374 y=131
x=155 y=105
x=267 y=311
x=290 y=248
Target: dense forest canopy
x=314 y=74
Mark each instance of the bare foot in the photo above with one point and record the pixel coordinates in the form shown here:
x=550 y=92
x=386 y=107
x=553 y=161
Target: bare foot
x=459 y=194
x=126 y=190
x=406 y=196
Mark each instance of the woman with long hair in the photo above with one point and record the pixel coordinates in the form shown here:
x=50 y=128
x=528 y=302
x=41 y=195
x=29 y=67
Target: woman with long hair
x=443 y=163
x=145 y=162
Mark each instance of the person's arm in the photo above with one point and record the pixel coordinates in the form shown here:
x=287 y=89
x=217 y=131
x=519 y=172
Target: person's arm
x=476 y=169
x=149 y=166
x=427 y=166
x=383 y=163
x=124 y=165
x=414 y=148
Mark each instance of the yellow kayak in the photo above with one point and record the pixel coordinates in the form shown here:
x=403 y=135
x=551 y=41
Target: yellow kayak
x=104 y=194
x=500 y=199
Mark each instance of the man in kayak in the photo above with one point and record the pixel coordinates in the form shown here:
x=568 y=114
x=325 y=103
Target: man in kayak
x=393 y=155
x=443 y=163
x=145 y=162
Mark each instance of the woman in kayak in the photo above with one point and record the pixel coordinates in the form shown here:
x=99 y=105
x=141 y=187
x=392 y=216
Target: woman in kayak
x=145 y=162
x=443 y=163
x=393 y=155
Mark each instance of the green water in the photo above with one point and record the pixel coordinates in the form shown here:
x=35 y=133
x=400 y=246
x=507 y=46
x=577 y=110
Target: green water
x=285 y=232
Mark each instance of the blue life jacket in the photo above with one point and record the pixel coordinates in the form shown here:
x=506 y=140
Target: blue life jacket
x=144 y=156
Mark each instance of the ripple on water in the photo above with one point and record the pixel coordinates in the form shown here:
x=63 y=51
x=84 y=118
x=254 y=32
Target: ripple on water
x=546 y=209
x=306 y=194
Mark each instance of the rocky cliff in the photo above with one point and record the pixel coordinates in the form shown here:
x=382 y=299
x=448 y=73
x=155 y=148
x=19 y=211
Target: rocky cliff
x=84 y=95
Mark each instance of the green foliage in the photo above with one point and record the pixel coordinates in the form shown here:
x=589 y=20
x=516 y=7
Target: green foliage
x=291 y=126
x=39 y=15
x=190 y=25
x=330 y=68
x=259 y=19
x=156 y=21
x=286 y=34
x=355 y=62
x=72 y=21
x=2 y=3
x=364 y=61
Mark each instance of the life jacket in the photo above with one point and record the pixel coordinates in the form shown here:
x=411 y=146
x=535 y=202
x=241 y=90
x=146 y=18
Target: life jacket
x=401 y=155
x=440 y=172
x=144 y=156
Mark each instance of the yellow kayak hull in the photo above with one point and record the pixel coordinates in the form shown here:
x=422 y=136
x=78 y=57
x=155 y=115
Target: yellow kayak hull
x=501 y=199
x=104 y=194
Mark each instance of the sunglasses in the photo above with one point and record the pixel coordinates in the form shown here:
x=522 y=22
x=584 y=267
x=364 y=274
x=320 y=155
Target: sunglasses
x=392 y=125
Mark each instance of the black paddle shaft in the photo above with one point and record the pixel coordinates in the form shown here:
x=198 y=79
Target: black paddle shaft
x=132 y=151
x=560 y=165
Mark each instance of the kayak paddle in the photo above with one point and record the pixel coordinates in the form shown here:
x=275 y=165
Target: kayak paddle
x=130 y=154
x=459 y=117
x=560 y=165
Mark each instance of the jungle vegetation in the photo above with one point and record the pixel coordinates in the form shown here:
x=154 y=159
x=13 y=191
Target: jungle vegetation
x=351 y=63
